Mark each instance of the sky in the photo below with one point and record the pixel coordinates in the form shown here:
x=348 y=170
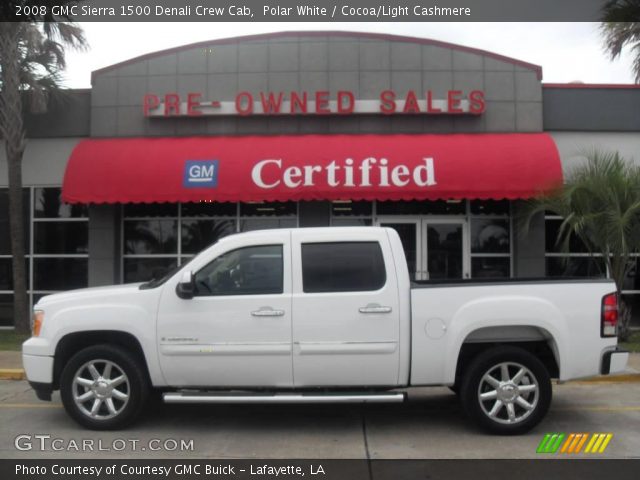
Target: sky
x=567 y=52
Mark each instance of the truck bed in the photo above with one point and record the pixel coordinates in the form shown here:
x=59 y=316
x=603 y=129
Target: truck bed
x=562 y=313
x=483 y=282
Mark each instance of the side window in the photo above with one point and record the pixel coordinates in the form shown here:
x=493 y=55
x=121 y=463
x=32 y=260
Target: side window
x=245 y=271
x=342 y=267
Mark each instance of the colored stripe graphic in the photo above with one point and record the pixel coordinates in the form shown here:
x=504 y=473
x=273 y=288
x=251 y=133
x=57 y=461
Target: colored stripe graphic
x=568 y=442
x=574 y=442
x=582 y=441
x=543 y=443
x=598 y=443
x=550 y=443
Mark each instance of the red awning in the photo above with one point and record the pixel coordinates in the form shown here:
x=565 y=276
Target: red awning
x=312 y=167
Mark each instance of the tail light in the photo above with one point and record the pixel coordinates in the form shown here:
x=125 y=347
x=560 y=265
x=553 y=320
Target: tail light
x=609 y=317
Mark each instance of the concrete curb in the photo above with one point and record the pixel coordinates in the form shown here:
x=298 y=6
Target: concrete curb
x=622 y=378
x=12 y=374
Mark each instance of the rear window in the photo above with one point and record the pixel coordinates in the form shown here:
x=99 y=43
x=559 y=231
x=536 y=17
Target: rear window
x=342 y=267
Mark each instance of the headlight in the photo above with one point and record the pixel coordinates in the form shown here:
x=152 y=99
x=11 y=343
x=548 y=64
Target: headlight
x=38 y=319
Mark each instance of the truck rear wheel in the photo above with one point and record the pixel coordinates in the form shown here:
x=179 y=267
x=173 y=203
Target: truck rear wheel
x=103 y=387
x=506 y=390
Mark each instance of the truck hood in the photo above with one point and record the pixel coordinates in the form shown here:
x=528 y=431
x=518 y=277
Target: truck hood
x=87 y=293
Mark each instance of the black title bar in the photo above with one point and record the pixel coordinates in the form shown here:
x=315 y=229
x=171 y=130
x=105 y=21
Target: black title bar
x=306 y=10
x=257 y=469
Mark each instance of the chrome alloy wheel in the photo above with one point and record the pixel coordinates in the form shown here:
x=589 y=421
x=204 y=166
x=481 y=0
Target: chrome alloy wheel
x=508 y=393
x=101 y=389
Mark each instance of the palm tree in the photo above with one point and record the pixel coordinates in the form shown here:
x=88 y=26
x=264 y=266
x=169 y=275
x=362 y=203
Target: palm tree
x=600 y=205
x=31 y=60
x=621 y=27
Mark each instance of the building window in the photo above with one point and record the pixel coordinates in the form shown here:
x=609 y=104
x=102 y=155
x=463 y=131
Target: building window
x=266 y=215
x=348 y=213
x=58 y=274
x=499 y=208
x=489 y=223
x=490 y=238
x=489 y=227
x=198 y=234
x=6 y=309
x=56 y=247
x=490 y=232
x=5 y=237
x=422 y=207
x=60 y=243
x=48 y=204
x=579 y=262
x=153 y=236
x=158 y=237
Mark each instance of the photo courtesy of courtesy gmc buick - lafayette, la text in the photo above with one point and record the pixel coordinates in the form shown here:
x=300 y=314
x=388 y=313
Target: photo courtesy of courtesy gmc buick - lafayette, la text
x=319 y=315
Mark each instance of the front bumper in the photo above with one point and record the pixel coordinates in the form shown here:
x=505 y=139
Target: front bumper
x=39 y=368
x=614 y=361
x=37 y=359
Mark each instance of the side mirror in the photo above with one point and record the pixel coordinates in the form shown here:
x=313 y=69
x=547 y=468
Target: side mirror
x=186 y=288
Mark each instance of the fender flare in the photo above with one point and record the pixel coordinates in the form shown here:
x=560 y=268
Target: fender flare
x=512 y=310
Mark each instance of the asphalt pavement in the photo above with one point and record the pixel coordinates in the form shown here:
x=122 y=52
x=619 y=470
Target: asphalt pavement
x=430 y=426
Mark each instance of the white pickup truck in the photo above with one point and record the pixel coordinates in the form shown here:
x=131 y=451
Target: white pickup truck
x=318 y=315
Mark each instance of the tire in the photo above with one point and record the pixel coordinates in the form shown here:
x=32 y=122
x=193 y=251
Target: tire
x=108 y=404
x=512 y=403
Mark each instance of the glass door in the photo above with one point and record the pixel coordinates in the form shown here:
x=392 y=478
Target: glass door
x=436 y=249
x=445 y=246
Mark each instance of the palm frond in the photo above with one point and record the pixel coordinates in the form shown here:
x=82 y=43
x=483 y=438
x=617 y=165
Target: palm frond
x=599 y=205
x=67 y=33
x=620 y=27
x=635 y=66
x=41 y=57
x=621 y=11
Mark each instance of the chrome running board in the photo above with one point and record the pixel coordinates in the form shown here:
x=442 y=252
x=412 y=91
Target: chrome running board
x=209 y=397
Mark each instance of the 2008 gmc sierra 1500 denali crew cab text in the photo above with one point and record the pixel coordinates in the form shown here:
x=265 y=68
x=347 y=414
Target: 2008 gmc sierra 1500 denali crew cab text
x=318 y=315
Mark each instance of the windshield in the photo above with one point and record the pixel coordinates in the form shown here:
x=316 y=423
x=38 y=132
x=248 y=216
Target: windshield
x=156 y=282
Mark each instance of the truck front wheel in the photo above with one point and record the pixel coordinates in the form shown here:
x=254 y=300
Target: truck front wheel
x=103 y=387
x=506 y=390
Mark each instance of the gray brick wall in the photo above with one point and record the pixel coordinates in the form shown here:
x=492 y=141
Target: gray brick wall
x=364 y=65
x=67 y=115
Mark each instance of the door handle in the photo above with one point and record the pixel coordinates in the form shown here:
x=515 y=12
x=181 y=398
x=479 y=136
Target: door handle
x=267 y=312
x=374 y=308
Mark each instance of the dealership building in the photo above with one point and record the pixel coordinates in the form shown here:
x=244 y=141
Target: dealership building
x=168 y=152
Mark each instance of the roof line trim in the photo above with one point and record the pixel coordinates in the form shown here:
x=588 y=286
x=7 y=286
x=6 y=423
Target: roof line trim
x=323 y=33
x=592 y=85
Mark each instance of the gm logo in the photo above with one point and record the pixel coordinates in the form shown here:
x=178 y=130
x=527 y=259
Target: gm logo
x=200 y=174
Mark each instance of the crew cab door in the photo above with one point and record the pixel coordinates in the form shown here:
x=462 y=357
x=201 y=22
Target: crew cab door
x=345 y=309
x=236 y=330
